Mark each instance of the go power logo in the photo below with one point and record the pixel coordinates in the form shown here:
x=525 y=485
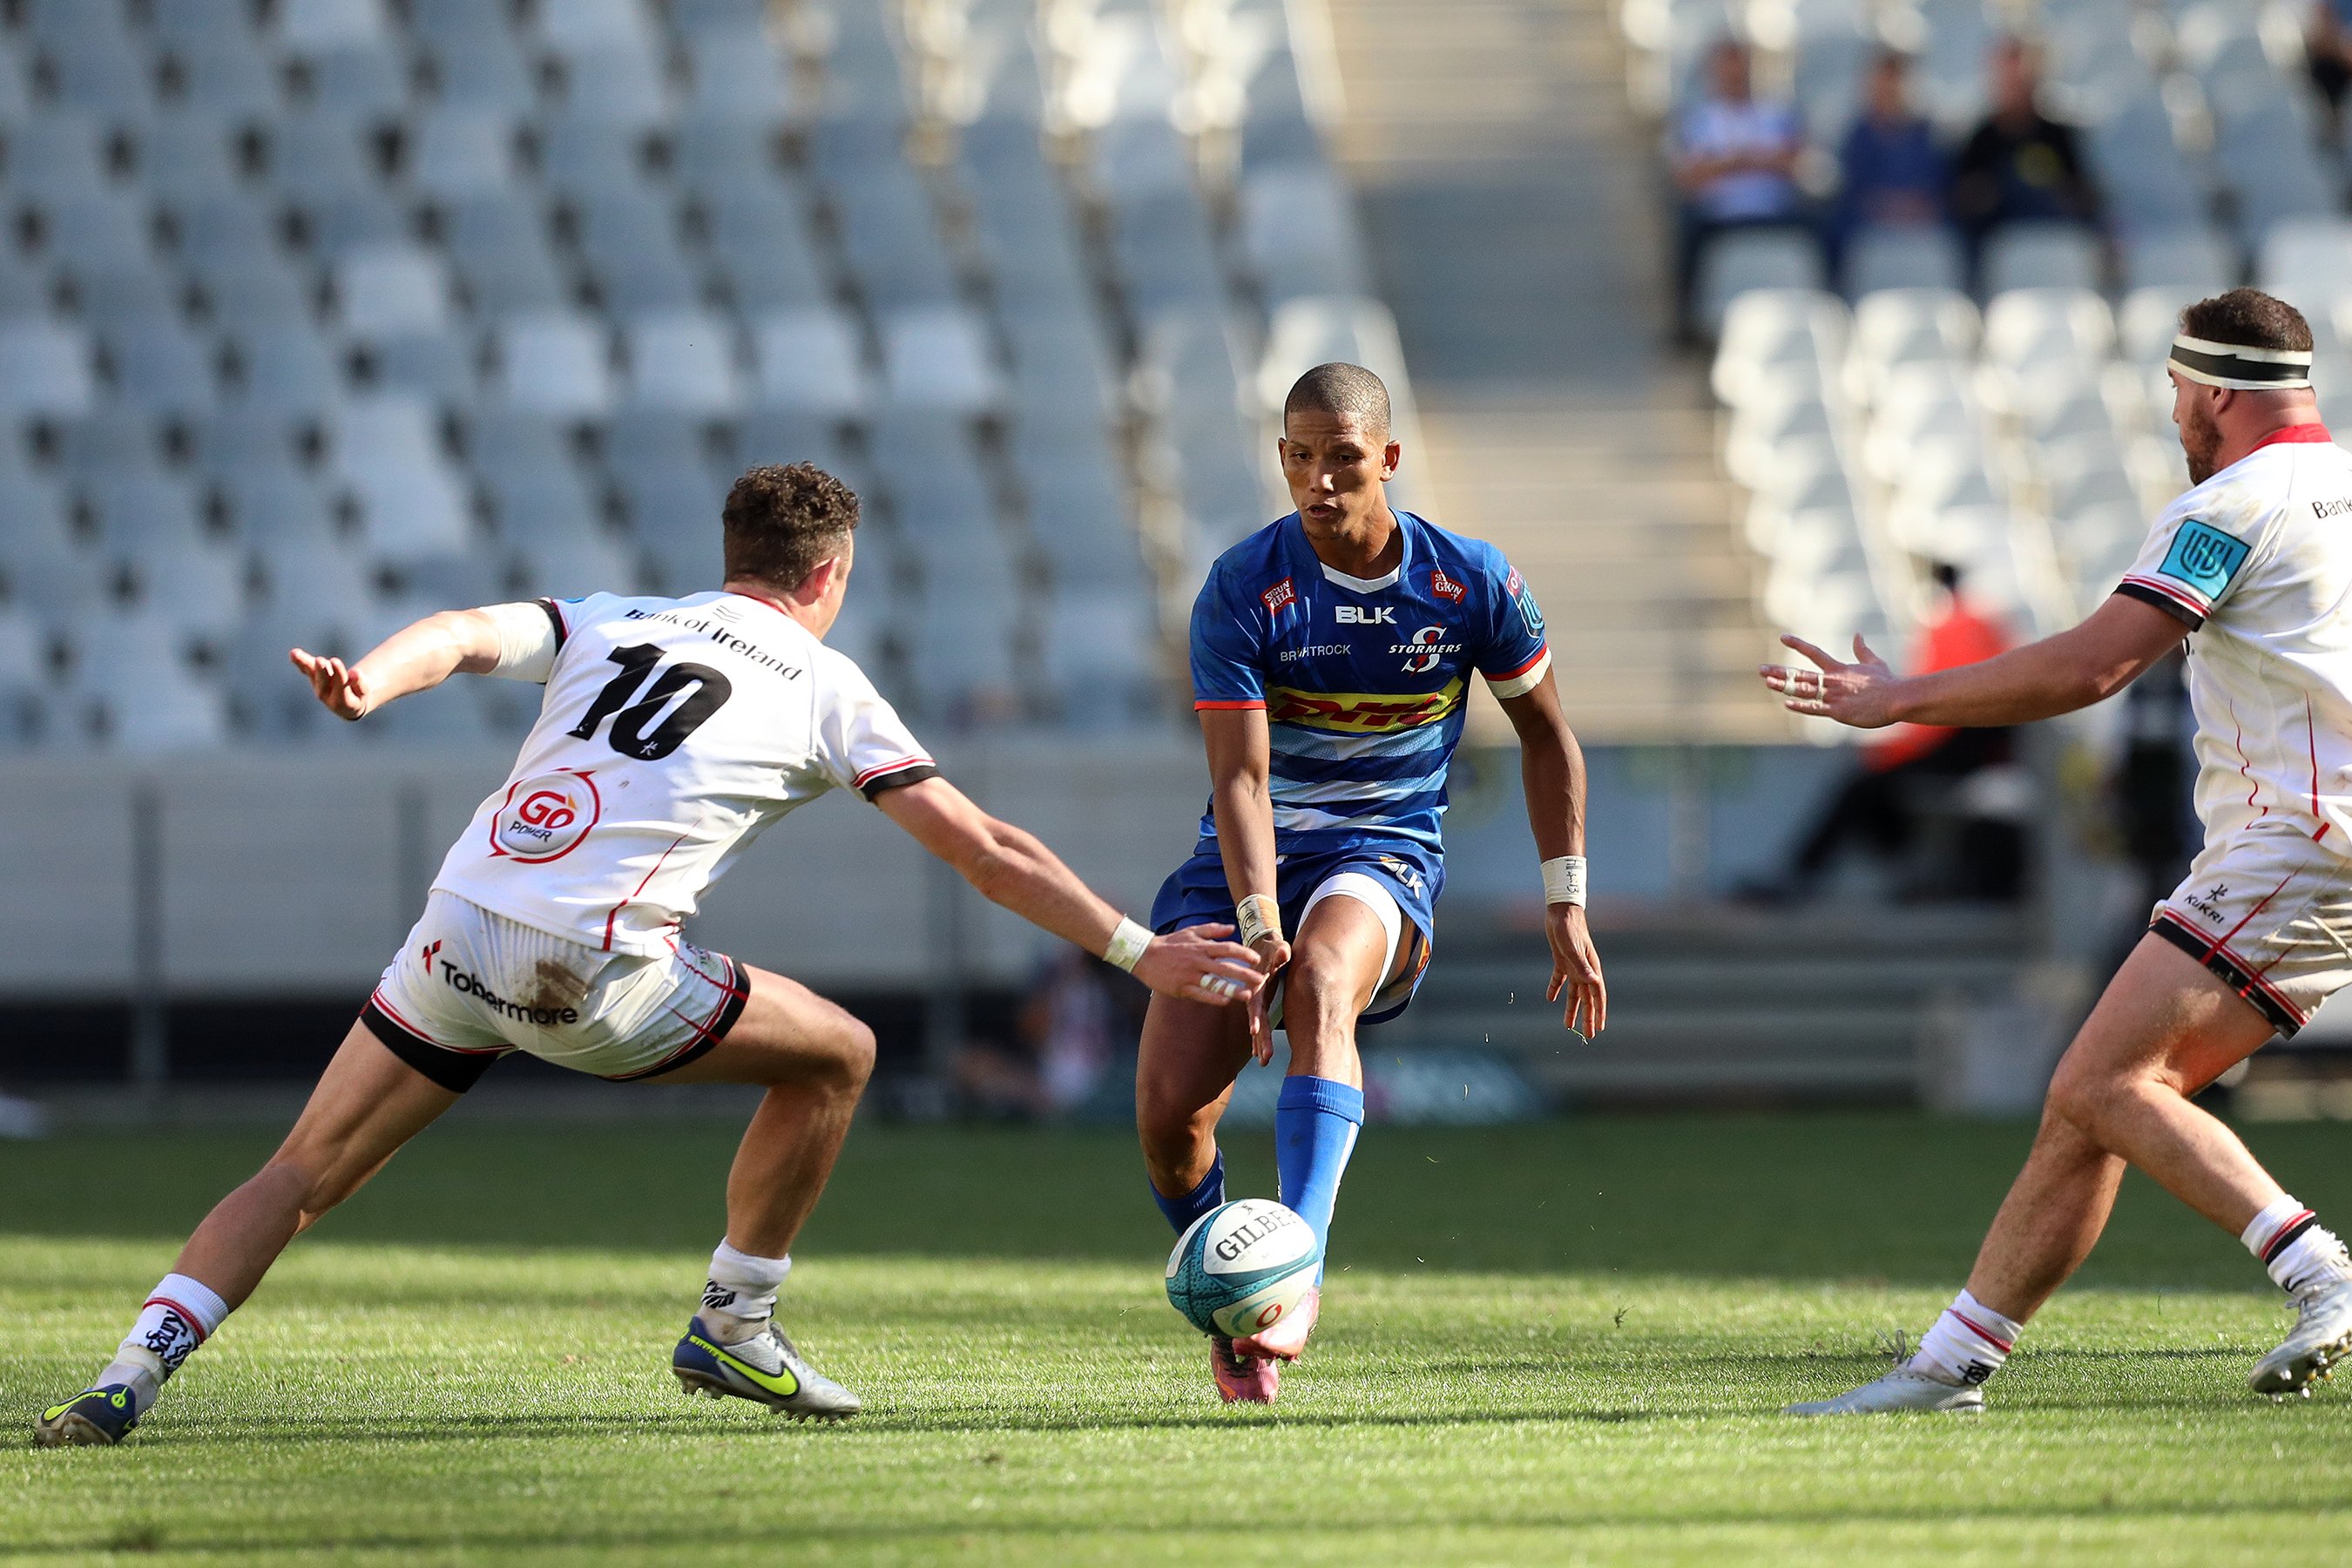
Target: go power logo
x=544 y=818
x=1427 y=646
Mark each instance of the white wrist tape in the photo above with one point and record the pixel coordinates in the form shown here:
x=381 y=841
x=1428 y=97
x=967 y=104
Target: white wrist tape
x=1563 y=879
x=527 y=641
x=1257 y=916
x=1127 y=945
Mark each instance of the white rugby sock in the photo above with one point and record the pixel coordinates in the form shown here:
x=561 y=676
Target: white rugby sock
x=181 y=1313
x=2295 y=1247
x=1967 y=1344
x=742 y=1294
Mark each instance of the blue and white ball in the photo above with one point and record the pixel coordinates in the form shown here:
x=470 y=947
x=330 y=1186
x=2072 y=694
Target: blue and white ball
x=1241 y=1266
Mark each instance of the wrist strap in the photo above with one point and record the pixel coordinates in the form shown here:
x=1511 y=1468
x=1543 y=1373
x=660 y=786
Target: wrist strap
x=1127 y=945
x=1563 y=879
x=1257 y=916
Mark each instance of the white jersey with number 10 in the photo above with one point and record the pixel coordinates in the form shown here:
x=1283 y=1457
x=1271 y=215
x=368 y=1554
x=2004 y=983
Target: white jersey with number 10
x=672 y=732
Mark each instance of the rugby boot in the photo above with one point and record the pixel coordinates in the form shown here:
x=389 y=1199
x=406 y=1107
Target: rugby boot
x=1285 y=1339
x=1243 y=1380
x=2322 y=1337
x=98 y=1417
x=765 y=1369
x=1899 y=1390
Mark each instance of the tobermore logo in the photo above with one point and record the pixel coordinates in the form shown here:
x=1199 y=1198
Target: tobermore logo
x=432 y=951
x=1365 y=614
x=471 y=986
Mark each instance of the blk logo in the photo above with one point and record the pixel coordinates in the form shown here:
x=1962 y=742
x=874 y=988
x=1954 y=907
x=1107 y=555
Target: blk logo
x=1366 y=615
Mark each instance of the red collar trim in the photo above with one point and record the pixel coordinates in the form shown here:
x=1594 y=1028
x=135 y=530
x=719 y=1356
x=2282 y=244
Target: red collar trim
x=2313 y=432
x=771 y=604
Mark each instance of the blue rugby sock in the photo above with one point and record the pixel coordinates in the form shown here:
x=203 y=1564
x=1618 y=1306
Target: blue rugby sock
x=1181 y=1211
x=1315 y=1126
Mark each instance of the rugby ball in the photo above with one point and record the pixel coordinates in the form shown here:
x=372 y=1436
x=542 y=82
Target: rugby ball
x=1241 y=1266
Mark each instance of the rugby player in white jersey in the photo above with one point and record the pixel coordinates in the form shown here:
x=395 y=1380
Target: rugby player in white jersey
x=672 y=732
x=2253 y=567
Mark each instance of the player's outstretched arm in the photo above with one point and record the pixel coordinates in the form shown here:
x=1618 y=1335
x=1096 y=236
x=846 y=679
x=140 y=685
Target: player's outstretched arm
x=417 y=657
x=2084 y=663
x=1241 y=750
x=1551 y=774
x=1011 y=868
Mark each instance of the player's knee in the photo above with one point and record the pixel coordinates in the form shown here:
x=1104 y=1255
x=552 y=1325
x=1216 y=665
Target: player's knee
x=2085 y=1098
x=1169 y=1124
x=850 y=1054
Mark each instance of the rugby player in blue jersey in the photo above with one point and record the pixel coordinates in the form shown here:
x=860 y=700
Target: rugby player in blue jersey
x=1332 y=653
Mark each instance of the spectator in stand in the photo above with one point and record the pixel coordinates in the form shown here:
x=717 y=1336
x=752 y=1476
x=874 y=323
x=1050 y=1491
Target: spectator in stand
x=1911 y=769
x=1734 y=163
x=1891 y=173
x=2327 y=54
x=2020 y=165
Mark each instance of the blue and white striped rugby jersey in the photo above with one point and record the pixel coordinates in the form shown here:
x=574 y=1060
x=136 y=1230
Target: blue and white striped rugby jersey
x=1363 y=679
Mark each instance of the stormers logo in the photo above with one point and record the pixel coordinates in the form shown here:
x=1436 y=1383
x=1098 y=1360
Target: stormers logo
x=1423 y=652
x=1360 y=713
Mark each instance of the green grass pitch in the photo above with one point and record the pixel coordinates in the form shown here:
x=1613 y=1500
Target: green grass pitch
x=1561 y=1342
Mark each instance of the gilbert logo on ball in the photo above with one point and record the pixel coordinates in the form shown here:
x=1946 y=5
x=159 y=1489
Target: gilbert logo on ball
x=1241 y=1267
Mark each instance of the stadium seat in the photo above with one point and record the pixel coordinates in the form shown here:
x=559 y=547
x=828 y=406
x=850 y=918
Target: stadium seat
x=1758 y=428
x=2307 y=261
x=314 y=26
x=284 y=368
x=939 y=356
x=1060 y=366
x=46 y=368
x=1775 y=338
x=673 y=518
x=681 y=360
x=1102 y=658
x=1907 y=326
x=56 y=156
x=634 y=258
x=455 y=151
x=809 y=360
x=1883 y=259
x=621 y=84
x=216 y=68
x=53 y=582
x=552 y=362
x=2041 y=256
x=390 y=291
x=499 y=249
x=735 y=73
x=197 y=586
x=2192 y=259
x=1298 y=233
x=186 y=155
x=484 y=70
x=1760 y=258
x=159 y=366
x=788 y=436
x=890 y=234
x=759 y=237
x=134 y=513
x=584 y=158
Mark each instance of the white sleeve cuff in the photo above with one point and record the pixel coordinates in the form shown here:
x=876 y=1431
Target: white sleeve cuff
x=1526 y=680
x=528 y=640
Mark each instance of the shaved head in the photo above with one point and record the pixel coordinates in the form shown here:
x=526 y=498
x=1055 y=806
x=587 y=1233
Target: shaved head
x=1341 y=391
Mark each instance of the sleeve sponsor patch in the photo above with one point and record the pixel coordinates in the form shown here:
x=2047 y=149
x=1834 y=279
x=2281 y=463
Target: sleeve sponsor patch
x=2204 y=558
x=1278 y=595
x=1446 y=587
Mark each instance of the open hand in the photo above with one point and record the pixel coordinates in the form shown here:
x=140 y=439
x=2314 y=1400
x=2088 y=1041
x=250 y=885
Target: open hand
x=1860 y=694
x=339 y=686
x=1576 y=970
x=1194 y=964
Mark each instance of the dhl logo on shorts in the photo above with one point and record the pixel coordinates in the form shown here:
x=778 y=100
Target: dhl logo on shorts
x=1360 y=713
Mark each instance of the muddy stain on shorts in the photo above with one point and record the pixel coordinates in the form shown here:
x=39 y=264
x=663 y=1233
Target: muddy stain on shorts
x=557 y=986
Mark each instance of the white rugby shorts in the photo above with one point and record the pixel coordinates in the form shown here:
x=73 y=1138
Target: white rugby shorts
x=2269 y=910
x=469 y=986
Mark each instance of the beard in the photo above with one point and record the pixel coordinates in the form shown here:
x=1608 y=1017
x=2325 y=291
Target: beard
x=2200 y=443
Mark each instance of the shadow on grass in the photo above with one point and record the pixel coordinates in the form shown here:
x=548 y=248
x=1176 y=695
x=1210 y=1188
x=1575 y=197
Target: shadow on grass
x=1049 y=1534
x=1883 y=1197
